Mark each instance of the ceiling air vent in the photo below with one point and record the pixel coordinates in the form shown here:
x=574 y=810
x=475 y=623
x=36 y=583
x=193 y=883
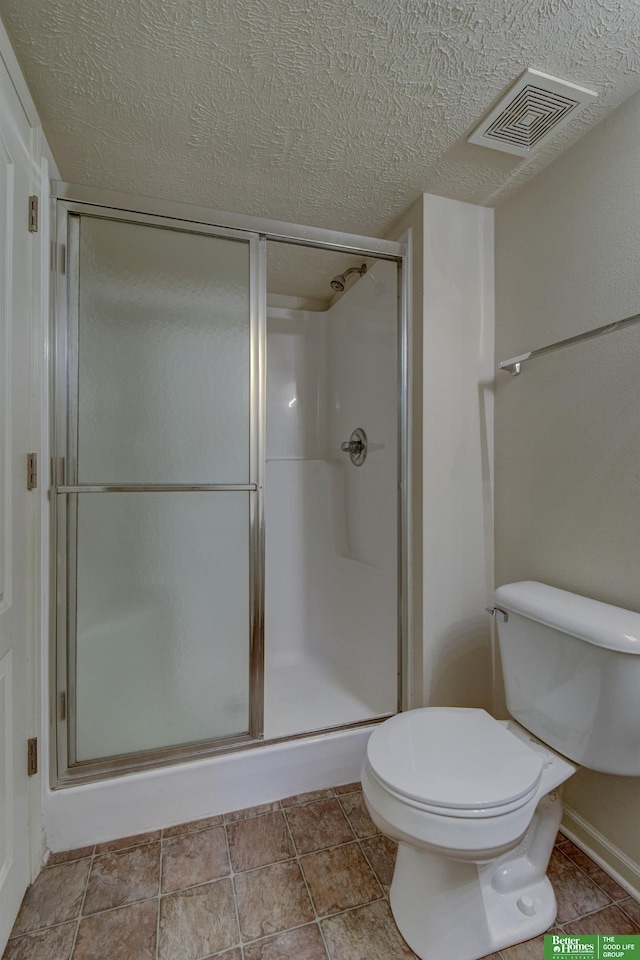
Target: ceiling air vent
x=534 y=108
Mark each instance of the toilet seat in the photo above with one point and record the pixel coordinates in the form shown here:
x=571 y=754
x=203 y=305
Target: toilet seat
x=454 y=762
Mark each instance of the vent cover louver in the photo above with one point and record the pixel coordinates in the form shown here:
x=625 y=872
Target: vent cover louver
x=534 y=108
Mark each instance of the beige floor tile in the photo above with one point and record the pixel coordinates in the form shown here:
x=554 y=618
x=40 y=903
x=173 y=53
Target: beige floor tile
x=317 y=825
x=272 y=899
x=192 y=827
x=135 y=841
x=199 y=922
x=610 y=920
x=632 y=908
x=299 y=798
x=128 y=933
x=54 y=943
x=348 y=788
x=55 y=896
x=529 y=950
x=340 y=878
x=233 y=954
x=381 y=853
x=305 y=943
x=249 y=812
x=194 y=858
x=576 y=894
x=568 y=846
x=122 y=877
x=259 y=841
x=68 y=855
x=358 y=816
x=594 y=871
x=367 y=933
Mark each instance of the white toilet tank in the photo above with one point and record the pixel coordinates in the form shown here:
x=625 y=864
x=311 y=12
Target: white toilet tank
x=572 y=673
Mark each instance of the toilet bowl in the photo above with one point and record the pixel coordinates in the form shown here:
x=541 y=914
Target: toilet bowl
x=473 y=802
x=466 y=797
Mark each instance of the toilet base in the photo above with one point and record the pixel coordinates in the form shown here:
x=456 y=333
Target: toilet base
x=464 y=911
x=448 y=908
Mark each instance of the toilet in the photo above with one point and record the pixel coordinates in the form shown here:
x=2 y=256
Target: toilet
x=474 y=802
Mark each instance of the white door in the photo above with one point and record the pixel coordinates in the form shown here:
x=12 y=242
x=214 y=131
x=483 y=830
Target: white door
x=15 y=575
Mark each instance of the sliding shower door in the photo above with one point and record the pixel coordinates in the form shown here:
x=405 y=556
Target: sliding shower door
x=158 y=487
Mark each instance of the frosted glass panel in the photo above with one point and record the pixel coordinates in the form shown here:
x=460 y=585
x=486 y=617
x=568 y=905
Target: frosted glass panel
x=163 y=346
x=163 y=621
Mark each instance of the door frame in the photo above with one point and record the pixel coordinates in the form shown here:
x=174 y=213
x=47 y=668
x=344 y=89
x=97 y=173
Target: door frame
x=123 y=206
x=42 y=168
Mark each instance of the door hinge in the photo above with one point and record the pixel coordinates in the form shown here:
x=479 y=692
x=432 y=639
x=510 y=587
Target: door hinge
x=33 y=214
x=32 y=471
x=32 y=756
x=63 y=706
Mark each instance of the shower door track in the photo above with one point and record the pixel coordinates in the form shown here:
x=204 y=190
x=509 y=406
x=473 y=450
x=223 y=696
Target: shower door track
x=79 y=199
x=158 y=488
x=165 y=757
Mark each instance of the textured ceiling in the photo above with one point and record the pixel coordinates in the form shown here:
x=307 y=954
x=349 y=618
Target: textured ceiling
x=335 y=113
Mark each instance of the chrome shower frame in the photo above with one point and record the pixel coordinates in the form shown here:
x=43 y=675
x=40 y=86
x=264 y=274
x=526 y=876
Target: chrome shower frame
x=73 y=199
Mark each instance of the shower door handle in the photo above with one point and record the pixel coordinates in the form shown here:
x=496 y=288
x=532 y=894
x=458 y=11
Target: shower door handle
x=356 y=447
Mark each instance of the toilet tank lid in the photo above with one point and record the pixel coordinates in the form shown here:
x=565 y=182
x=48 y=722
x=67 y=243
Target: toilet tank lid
x=601 y=624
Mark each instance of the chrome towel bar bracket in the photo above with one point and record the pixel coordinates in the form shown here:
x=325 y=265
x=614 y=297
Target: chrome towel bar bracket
x=514 y=364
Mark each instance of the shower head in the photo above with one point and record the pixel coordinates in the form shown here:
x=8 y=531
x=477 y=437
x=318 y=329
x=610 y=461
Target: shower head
x=338 y=283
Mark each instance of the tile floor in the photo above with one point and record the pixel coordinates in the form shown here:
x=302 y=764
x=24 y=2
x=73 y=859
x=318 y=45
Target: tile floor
x=306 y=878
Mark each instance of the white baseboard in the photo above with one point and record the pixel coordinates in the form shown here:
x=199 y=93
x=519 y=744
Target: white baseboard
x=606 y=854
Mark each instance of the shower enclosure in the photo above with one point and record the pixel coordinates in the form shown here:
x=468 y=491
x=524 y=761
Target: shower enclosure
x=224 y=574
x=331 y=519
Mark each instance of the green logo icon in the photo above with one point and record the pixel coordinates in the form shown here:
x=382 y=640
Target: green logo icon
x=609 y=947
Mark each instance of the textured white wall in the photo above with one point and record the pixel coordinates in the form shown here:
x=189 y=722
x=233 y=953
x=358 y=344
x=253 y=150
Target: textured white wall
x=567 y=445
x=457 y=444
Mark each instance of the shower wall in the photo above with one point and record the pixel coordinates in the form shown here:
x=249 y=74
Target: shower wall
x=331 y=527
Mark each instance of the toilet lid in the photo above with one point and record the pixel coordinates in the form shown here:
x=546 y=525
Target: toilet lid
x=453 y=757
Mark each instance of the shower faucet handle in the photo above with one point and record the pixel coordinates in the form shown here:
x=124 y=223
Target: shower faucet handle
x=356 y=447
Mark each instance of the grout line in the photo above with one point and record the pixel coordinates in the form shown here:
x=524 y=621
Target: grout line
x=304 y=880
x=305 y=803
x=590 y=913
x=598 y=885
x=336 y=846
x=159 y=895
x=263 y=813
x=189 y=833
x=297 y=857
x=595 y=883
x=385 y=893
x=620 y=902
x=49 y=926
x=232 y=875
x=84 y=897
x=129 y=846
x=271 y=936
x=330 y=846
